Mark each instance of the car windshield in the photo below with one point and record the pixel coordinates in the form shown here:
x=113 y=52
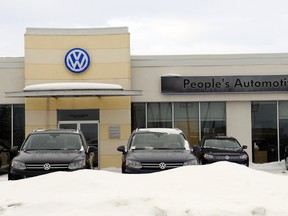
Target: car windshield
x=158 y=141
x=221 y=143
x=53 y=141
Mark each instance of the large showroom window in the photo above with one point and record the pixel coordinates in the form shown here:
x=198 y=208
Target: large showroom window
x=283 y=127
x=138 y=115
x=264 y=131
x=159 y=115
x=12 y=124
x=182 y=115
x=186 y=118
x=213 y=118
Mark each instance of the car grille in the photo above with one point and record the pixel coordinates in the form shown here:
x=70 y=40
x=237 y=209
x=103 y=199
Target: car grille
x=52 y=167
x=227 y=157
x=158 y=165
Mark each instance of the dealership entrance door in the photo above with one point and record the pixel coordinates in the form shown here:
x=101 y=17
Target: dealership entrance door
x=86 y=120
x=90 y=131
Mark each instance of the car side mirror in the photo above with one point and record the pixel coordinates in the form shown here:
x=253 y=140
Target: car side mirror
x=244 y=147
x=196 y=149
x=121 y=149
x=15 y=149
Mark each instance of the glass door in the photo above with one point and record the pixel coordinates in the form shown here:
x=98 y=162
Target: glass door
x=90 y=129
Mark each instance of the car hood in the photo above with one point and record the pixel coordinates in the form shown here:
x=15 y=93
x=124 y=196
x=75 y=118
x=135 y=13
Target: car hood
x=223 y=150
x=160 y=155
x=46 y=156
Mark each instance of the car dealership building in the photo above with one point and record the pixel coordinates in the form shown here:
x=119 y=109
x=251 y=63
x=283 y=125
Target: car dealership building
x=87 y=79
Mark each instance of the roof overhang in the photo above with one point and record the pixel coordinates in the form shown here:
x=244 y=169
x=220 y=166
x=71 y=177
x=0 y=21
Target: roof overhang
x=57 y=90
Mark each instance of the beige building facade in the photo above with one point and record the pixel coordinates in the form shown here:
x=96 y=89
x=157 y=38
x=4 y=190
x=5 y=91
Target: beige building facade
x=109 y=52
x=108 y=93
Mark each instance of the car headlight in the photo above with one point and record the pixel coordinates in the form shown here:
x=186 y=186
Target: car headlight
x=190 y=162
x=133 y=164
x=77 y=164
x=18 y=165
x=208 y=156
x=244 y=156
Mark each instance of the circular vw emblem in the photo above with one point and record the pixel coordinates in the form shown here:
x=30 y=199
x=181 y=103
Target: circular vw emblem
x=162 y=165
x=227 y=157
x=46 y=166
x=77 y=60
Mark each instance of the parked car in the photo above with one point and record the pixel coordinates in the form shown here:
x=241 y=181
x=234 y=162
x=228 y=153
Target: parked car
x=46 y=151
x=156 y=149
x=5 y=156
x=222 y=148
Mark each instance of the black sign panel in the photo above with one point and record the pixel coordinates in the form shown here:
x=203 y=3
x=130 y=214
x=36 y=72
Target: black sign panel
x=224 y=84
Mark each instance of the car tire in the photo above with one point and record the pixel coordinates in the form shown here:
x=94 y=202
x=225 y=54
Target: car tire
x=286 y=162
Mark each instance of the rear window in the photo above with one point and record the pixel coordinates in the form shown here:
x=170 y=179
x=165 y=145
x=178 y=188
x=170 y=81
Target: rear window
x=53 y=141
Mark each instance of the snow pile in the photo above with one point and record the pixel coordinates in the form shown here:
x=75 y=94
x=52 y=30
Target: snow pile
x=219 y=189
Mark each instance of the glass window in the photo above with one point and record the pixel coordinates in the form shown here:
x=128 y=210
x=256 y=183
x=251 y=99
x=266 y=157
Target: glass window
x=5 y=124
x=159 y=115
x=18 y=124
x=6 y=118
x=138 y=116
x=264 y=132
x=186 y=118
x=213 y=118
x=283 y=127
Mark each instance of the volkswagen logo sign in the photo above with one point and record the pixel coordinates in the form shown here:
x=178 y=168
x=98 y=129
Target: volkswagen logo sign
x=227 y=157
x=46 y=166
x=162 y=166
x=77 y=60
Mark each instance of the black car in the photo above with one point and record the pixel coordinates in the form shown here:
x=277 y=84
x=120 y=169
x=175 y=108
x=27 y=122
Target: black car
x=156 y=149
x=46 y=151
x=222 y=148
x=5 y=156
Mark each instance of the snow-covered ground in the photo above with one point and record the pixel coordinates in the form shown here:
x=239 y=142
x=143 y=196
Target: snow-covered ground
x=220 y=189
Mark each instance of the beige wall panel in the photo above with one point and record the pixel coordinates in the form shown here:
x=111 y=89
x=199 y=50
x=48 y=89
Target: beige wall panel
x=115 y=117
x=68 y=42
x=109 y=147
x=110 y=55
x=119 y=70
x=33 y=117
x=60 y=72
x=125 y=131
x=121 y=102
x=40 y=103
x=107 y=161
x=12 y=79
x=239 y=125
x=42 y=56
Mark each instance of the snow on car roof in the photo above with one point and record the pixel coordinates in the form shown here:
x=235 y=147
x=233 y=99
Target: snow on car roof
x=162 y=130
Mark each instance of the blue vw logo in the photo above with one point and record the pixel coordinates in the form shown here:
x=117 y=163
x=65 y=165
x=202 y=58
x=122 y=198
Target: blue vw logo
x=77 y=60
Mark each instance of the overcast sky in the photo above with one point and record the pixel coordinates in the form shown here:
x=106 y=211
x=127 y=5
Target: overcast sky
x=157 y=26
